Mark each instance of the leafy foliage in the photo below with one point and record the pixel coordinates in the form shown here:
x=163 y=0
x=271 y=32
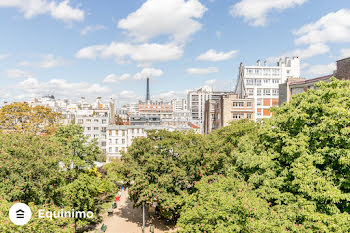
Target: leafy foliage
x=293 y=169
x=56 y=169
x=21 y=117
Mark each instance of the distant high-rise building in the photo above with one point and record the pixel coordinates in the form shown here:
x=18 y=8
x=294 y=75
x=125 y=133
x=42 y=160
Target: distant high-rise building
x=261 y=82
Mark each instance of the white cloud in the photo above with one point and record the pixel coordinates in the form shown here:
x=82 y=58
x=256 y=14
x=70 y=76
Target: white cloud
x=334 y=27
x=143 y=74
x=113 y=78
x=144 y=54
x=16 y=73
x=212 y=55
x=255 y=11
x=345 y=53
x=4 y=56
x=208 y=70
x=47 y=61
x=30 y=8
x=126 y=96
x=312 y=50
x=170 y=95
x=148 y=72
x=31 y=86
x=319 y=70
x=94 y=28
x=210 y=82
x=176 y=18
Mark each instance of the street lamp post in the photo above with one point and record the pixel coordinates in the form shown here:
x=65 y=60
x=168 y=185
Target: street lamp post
x=143 y=219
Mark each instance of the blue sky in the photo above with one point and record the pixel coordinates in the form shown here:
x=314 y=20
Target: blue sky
x=107 y=47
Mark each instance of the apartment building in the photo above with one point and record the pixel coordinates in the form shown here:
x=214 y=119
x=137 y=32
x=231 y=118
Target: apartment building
x=162 y=108
x=95 y=125
x=219 y=113
x=197 y=100
x=261 y=83
x=120 y=137
x=179 y=105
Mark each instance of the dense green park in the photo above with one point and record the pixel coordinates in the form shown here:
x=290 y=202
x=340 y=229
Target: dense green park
x=290 y=173
x=49 y=167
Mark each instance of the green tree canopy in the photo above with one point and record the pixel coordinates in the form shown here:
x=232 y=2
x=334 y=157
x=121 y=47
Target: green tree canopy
x=21 y=117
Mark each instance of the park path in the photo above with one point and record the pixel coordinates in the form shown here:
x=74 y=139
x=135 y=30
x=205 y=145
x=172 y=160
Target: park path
x=127 y=219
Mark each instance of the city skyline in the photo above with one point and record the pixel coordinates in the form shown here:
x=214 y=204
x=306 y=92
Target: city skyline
x=83 y=48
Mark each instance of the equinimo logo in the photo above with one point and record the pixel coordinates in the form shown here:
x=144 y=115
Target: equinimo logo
x=20 y=214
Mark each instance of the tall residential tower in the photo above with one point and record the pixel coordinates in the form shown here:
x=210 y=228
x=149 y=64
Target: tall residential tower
x=261 y=82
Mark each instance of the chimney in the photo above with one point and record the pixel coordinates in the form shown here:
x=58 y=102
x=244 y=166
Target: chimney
x=258 y=62
x=265 y=63
x=147 y=92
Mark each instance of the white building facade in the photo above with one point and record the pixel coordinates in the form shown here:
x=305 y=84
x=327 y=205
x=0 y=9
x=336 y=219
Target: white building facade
x=261 y=82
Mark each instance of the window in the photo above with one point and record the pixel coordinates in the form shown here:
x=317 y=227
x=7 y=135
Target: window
x=123 y=132
x=275 y=81
x=238 y=104
x=95 y=128
x=110 y=149
x=110 y=141
x=258 y=71
x=103 y=143
x=95 y=135
x=259 y=102
x=104 y=121
x=116 y=149
x=250 y=82
x=249 y=115
x=267 y=72
x=250 y=71
x=274 y=91
x=116 y=132
x=96 y=120
x=80 y=121
x=103 y=129
x=88 y=135
x=250 y=92
x=258 y=82
x=88 y=120
x=267 y=92
x=258 y=92
x=238 y=116
x=123 y=141
x=116 y=141
x=88 y=128
x=267 y=81
x=276 y=72
x=249 y=104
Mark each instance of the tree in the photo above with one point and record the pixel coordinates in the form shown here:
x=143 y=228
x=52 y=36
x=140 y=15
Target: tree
x=29 y=168
x=118 y=120
x=80 y=152
x=300 y=159
x=56 y=169
x=225 y=204
x=24 y=118
x=161 y=167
